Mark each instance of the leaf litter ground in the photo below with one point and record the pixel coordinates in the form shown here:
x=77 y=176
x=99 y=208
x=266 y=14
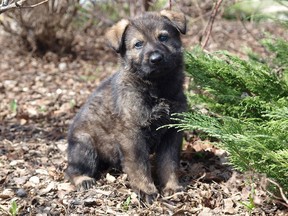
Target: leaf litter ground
x=40 y=96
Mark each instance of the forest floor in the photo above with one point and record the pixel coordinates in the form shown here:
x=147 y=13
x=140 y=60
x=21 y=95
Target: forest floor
x=40 y=95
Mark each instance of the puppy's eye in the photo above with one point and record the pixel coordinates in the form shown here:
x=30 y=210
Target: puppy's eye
x=138 y=45
x=163 y=38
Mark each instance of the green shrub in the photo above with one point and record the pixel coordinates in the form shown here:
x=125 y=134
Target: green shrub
x=244 y=104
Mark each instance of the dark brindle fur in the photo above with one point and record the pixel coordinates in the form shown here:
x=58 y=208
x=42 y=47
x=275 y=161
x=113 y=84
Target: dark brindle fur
x=118 y=124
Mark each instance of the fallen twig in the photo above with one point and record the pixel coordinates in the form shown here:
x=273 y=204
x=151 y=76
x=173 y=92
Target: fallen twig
x=284 y=198
x=201 y=177
x=173 y=195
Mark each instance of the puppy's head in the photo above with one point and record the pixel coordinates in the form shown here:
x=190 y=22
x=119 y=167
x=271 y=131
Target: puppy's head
x=150 y=44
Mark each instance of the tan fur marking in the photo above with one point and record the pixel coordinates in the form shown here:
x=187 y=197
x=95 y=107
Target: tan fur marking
x=115 y=33
x=178 y=19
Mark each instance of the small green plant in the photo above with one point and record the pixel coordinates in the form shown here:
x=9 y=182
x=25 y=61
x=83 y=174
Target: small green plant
x=13 y=106
x=250 y=204
x=126 y=203
x=42 y=108
x=72 y=103
x=88 y=78
x=13 y=210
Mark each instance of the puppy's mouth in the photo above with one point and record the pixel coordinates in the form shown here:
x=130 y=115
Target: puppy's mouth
x=154 y=72
x=166 y=66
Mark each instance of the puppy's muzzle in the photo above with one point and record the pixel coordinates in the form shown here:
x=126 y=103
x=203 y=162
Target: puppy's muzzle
x=156 y=58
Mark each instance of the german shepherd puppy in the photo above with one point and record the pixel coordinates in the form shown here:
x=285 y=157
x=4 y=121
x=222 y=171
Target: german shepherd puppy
x=118 y=124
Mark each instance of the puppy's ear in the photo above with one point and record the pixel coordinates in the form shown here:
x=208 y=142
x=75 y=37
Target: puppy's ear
x=115 y=34
x=177 y=19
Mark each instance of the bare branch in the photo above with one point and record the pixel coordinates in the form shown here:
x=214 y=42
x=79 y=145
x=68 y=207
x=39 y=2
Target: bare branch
x=280 y=190
x=208 y=28
x=5 y=6
x=37 y=4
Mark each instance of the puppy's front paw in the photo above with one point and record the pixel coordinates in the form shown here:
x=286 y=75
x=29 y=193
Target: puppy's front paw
x=171 y=189
x=84 y=182
x=148 y=193
x=149 y=198
x=160 y=111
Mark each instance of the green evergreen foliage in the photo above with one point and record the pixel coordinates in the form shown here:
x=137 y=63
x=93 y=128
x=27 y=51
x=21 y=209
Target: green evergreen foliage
x=234 y=87
x=246 y=107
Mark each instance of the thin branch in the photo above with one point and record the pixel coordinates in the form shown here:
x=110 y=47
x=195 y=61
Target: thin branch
x=208 y=28
x=18 y=4
x=280 y=190
x=173 y=195
x=35 y=5
x=276 y=199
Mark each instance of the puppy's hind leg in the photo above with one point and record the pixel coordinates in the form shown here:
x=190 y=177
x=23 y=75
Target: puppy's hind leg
x=82 y=161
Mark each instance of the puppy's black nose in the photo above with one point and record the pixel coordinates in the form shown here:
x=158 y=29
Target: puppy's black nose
x=156 y=58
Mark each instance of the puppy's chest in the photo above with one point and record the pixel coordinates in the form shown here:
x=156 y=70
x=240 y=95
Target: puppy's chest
x=159 y=108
